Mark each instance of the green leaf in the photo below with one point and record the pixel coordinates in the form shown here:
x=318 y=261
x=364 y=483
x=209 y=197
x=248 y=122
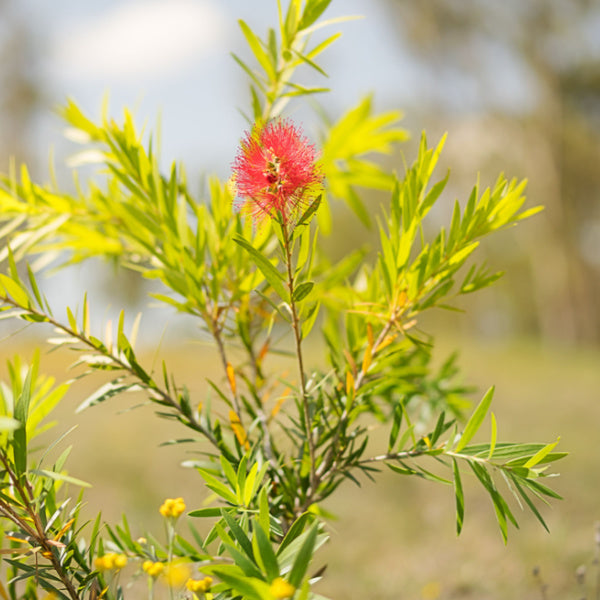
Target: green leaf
x=303 y=290
x=433 y=195
x=310 y=319
x=21 y=413
x=494 y=436
x=267 y=553
x=529 y=502
x=61 y=477
x=250 y=74
x=253 y=482
x=409 y=433
x=537 y=487
x=313 y=10
x=475 y=421
x=309 y=212
x=108 y=390
x=72 y=320
x=460 y=498
x=256 y=46
x=304 y=556
x=211 y=511
x=228 y=471
x=218 y=487
x=541 y=455
x=239 y=534
x=294 y=531
x=395 y=429
x=241 y=478
x=462 y=254
x=247 y=587
x=34 y=288
x=272 y=275
x=247 y=565
x=264 y=516
x=440 y=427
x=14 y=290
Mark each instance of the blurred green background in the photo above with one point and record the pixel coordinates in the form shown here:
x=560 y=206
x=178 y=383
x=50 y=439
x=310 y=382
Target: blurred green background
x=517 y=87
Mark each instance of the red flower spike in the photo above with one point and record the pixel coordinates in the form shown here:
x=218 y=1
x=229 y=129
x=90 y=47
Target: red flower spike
x=276 y=173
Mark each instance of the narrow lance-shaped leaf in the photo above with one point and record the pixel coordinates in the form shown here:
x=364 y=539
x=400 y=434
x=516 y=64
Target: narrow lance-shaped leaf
x=294 y=532
x=218 y=487
x=255 y=45
x=266 y=552
x=460 y=498
x=529 y=502
x=308 y=213
x=396 y=424
x=14 y=290
x=312 y=12
x=20 y=434
x=239 y=534
x=304 y=556
x=494 y=436
x=272 y=275
x=264 y=517
x=539 y=456
x=475 y=420
x=303 y=290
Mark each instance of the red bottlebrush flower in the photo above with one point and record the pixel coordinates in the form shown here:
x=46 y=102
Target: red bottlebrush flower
x=276 y=172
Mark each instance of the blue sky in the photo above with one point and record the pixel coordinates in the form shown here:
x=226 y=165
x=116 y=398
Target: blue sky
x=172 y=58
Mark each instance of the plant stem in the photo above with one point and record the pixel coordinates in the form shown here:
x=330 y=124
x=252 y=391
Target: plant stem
x=216 y=333
x=298 y=347
x=330 y=463
x=268 y=445
x=38 y=534
x=380 y=338
x=170 y=537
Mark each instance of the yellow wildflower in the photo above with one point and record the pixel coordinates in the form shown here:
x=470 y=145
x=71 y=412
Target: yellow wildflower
x=172 y=507
x=175 y=574
x=199 y=585
x=110 y=562
x=154 y=569
x=281 y=589
x=431 y=591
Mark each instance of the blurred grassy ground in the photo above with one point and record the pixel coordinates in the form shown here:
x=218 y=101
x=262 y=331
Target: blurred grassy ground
x=395 y=539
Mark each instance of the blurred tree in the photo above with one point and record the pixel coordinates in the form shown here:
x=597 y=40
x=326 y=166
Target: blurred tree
x=20 y=92
x=548 y=54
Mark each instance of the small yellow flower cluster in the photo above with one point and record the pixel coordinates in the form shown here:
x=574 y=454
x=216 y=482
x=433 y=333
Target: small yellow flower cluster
x=154 y=569
x=172 y=507
x=281 y=589
x=175 y=574
x=199 y=585
x=110 y=562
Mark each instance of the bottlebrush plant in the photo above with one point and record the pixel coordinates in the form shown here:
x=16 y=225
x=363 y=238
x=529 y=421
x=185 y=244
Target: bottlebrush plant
x=245 y=262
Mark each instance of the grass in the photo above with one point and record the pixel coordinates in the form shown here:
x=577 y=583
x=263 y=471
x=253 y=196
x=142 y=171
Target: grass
x=395 y=539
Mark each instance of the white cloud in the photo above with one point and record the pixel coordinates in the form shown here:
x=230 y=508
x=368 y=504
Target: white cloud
x=142 y=38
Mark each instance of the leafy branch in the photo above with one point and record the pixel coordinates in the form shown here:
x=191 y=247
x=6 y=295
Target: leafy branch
x=122 y=357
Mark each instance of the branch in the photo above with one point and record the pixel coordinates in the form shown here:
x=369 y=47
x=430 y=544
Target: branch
x=150 y=385
x=298 y=342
